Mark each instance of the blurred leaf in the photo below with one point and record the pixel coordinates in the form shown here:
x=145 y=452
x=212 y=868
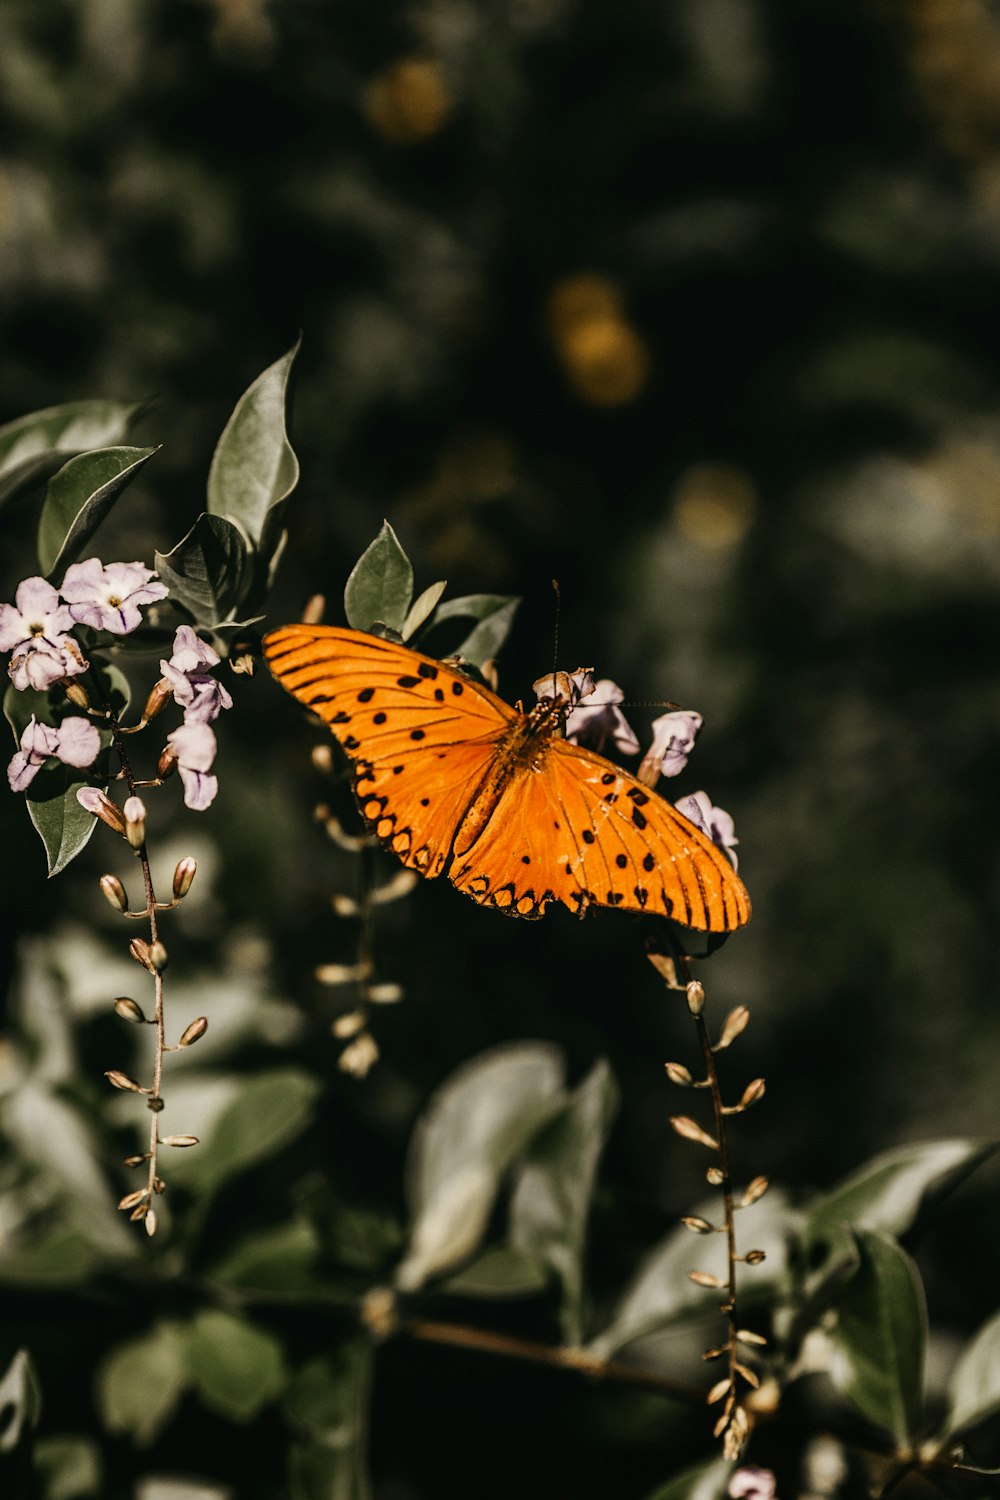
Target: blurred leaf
x=35 y=446
x=179 y=1487
x=421 y=608
x=380 y=585
x=707 y=1481
x=550 y=1204
x=140 y=1383
x=880 y=1337
x=208 y=571
x=479 y=1120
x=495 y=615
x=77 y=500
x=501 y=1271
x=894 y=1188
x=327 y=1401
x=974 y=1387
x=269 y=1110
x=235 y=1367
x=68 y=1467
x=63 y=1257
x=660 y=1291
x=254 y=468
x=20 y=1401
x=281 y=1259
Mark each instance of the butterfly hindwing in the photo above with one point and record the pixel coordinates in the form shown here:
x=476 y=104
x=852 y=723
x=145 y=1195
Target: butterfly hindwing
x=421 y=736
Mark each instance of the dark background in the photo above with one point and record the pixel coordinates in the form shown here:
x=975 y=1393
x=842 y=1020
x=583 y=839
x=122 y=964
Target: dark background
x=690 y=306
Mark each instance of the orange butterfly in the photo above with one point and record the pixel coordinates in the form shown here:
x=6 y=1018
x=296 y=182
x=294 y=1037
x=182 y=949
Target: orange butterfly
x=456 y=782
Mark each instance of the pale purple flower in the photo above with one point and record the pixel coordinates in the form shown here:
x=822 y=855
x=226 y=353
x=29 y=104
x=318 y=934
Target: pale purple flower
x=750 y=1483
x=674 y=735
x=34 y=629
x=602 y=723
x=108 y=598
x=713 y=821
x=194 y=747
x=75 y=742
x=200 y=696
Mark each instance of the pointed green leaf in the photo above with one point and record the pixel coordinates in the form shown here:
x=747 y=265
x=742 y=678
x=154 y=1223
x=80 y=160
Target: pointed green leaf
x=422 y=608
x=380 y=585
x=327 y=1404
x=34 y=446
x=880 y=1337
x=549 y=1206
x=501 y=1271
x=20 y=1401
x=450 y=635
x=269 y=1110
x=281 y=1259
x=706 y=1481
x=141 y=1381
x=254 y=468
x=180 y=1487
x=235 y=1367
x=475 y=1126
x=974 y=1387
x=209 y=571
x=77 y=500
x=892 y=1190
x=68 y=1467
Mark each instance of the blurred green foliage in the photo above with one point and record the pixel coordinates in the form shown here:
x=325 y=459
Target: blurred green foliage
x=689 y=306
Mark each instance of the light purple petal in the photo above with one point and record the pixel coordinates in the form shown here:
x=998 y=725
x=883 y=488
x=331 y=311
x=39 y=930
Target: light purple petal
x=199 y=789
x=206 y=701
x=108 y=598
x=713 y=821
x=83 y=580
x=79 y=742
x=195 y=746
x=191 y=653
x=43 y=662
x=674 y=736
x=602 y=723
x=39 y=740
x=37 y=615
x=91 y=798
x=22 y=771
x=751 y=1484
x=35 y=599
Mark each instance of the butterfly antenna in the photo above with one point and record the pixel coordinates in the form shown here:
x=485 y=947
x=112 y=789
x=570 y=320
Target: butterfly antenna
x=555 y=631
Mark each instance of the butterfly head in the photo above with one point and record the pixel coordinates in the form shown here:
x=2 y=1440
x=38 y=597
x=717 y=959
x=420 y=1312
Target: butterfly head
x=564 y=689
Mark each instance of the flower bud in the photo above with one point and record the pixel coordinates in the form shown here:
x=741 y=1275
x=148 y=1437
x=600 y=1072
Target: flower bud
x=345 y=906
x=167 y=762
x=123 y=1081
x=679 y=1074
x=691 y=1131
x=754 y=1257
x=135 y=821
x=314 y=610
x=334 y=974
x=114 y=892
x=753 y=1191
x=360 y=1056
x=735 y=1023
x=159 y=1186
x=100 y=804
x=695 y=998
x=697 y=1225
x=150 y=1220
x=179 y=1140
x=191 y=1033
x=135 y=1161
x=348 y=1024
x=752 y=1093
x=704 y=1278
x=384 y=994
x=128 y=1010
x=158 y=699
x=158 y=958
x=715 y=1176
x=184 y=874
x=131 y=1199
x=139 y=950
x=76 y=693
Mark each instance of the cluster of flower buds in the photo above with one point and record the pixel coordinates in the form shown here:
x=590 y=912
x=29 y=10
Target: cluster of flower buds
x=601 y=725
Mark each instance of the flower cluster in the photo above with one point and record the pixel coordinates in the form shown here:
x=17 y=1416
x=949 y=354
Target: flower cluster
x=36 y=630
x=602 y=724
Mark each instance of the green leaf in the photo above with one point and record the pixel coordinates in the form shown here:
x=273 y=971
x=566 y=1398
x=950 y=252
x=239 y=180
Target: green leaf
x=892 y=1190
x=68 y=1467
x=380 y=585
x=705 y=1481
x=880 y=1337
x=281 y=1259
x=327 y=1402
x=421 y=608
x=180 y=1487
x=660 y=1292
x=36 y=445
x=475 y=1126
x=235 y=1367
x=494 y=614
x=254 y=468
x=140 y=1383
x=209 y=571
x=79 y=497
x=549 y=1206
x=501 y=1271
x=269 y=1110
x=974 y=1387
x=20 y=1401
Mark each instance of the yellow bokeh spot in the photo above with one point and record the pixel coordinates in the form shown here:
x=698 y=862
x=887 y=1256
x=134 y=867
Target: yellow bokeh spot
x=714 y=505
x=409 y=100
x=605 y=359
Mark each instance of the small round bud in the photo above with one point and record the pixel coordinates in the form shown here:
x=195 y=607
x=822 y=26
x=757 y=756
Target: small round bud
x=167 y=762
x=184 y=874
x=157 y=700
x=753 y=1191
x=752 y=1093
x=191 y=1033
x=131 y=1199
x=179 y=1140
x=679 y=1074
x=735 y=1023
x=114 y=892
x=128 y=1010
x=695 y=998
x=150 y=1220
x=715 y=1176
x=345 y=906
x=697 y=1225
x=135 y=1161
x=76 y=693
x=157 y=957
x=123 y=1081
x=139 y=950
x=349 y=1024
x=754 y=1257
x=135 y=821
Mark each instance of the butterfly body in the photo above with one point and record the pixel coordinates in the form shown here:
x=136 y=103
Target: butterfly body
x=456 y=782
